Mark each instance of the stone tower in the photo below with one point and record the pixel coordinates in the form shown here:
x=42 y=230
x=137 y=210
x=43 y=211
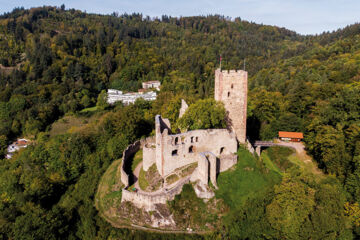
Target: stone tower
x=231 y=89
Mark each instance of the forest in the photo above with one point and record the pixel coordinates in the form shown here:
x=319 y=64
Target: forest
x=57 y=62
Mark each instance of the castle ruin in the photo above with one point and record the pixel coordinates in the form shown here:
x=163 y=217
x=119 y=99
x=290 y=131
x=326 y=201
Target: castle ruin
x=214 y=150
x=231 y=89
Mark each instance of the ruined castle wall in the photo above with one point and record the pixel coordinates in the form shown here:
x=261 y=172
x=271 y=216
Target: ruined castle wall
x=227 y=161
x=162 y=129
x=181 y=149
x=149 y=156
x=250 y=147
x=202 y=169
x=231 y=89
x=126 y=161
x=149 y=152
x=213 y=168
x=141 y=200
x=148 y=200
x=183 y=108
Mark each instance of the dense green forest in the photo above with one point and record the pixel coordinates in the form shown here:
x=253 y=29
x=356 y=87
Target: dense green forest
x=56 y=62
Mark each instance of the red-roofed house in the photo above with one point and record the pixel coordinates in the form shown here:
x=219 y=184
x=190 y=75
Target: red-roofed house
x=291 y=136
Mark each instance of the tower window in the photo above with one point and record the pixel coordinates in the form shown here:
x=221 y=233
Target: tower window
x=232 y=86
x=192 y=139
x=176 y=141
x=174 y=153
x=191 y=149
x=196 y=139
x=228 y=94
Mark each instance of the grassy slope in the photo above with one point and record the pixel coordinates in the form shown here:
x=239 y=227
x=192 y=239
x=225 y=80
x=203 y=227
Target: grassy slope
x=105 y=196
x=249 y=179
x=71 y=123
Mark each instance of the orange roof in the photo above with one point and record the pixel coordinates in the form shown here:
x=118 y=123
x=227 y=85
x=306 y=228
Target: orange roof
x=291 y=135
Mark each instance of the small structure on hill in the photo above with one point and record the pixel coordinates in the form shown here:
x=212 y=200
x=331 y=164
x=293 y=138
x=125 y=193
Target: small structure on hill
x=291 y=136
x=114 y=95
x=151 y=84
x=16 y=146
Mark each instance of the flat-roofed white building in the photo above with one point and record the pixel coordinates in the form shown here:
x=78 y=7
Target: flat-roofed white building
x=127 y=98
x=151 y=84
x=16 y=146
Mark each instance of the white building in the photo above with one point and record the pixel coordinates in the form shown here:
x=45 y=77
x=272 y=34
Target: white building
x=16 y=146
x=151 y=84
x=127 y=98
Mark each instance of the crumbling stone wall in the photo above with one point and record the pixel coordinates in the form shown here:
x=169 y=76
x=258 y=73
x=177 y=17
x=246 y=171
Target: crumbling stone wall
x=149 y=152
x=126 y=161
x=148 y=200
x=175 y=151
x=162 y=128
x=227 y=161
x=202 y=169
x=231 y=89
x=183 y=108
x=209 y=166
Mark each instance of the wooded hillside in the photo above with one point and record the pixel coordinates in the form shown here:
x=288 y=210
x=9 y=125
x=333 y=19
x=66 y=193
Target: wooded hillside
x=56 y=62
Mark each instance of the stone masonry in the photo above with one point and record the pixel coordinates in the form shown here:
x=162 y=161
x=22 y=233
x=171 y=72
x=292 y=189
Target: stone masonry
x=177 y=150
x=231 y=89
x=213 y=149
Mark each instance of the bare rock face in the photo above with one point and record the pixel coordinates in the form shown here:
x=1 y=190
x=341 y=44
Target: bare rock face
x=203 y=191
x=183 y=108
x=162 y=217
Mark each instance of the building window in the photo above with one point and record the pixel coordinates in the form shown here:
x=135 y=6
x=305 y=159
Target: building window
x=222 y=150
x=176 y=141
x=191 y=149
x=232 y=86
x=228 y=94
x=174 y=153
x=196 y=139
x=192 y=139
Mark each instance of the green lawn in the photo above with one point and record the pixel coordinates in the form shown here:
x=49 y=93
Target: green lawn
x=143 y=183
x=280 y=156
x=250 y=178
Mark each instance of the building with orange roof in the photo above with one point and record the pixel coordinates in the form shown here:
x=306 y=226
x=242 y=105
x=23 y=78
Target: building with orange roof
x=291 y=136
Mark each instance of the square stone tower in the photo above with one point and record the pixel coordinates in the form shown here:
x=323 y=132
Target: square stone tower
x=231 y=88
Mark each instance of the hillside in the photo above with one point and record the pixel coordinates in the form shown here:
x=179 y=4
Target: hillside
x=55 y=63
